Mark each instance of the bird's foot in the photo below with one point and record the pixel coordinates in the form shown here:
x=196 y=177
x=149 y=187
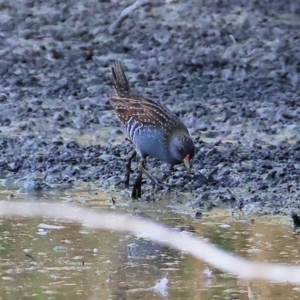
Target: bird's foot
x=158 y=186
x=124 y=182
x=137 y=187
x=126 y=179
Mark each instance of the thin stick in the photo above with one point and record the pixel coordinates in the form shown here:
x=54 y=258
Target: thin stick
x=126 y=13
x=202 y=250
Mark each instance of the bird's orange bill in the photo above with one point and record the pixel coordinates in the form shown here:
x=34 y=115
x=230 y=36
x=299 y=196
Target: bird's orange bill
x=187 y=162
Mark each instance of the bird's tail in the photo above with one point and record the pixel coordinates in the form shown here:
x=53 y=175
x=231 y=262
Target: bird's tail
x=119 y=79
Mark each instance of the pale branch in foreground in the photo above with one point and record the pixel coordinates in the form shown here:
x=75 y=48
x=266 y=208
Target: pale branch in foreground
x=159 y=233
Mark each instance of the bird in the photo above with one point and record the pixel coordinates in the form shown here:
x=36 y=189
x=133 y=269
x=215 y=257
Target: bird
x=153 y=129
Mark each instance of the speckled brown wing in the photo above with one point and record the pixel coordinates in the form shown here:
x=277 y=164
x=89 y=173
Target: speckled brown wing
x=144 y=111
x=131 y=106
x=154 y=130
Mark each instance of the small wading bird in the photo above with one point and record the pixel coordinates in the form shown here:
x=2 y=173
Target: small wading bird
x=153 y=129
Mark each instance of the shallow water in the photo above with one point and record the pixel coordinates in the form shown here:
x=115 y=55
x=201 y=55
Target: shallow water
x=69 y=261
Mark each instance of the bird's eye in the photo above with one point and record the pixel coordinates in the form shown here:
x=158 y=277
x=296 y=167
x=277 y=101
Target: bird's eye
x=180 y=150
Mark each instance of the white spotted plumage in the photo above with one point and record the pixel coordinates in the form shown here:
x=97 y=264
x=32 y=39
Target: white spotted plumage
x=147 y=123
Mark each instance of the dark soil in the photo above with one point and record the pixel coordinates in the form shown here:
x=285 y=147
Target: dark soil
x=229 y=69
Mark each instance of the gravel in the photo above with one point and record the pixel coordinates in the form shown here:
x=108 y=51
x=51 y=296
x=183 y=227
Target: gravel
x=229 y=69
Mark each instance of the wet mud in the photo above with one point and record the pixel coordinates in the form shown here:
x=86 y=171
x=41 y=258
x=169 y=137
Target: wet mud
x=229 y=69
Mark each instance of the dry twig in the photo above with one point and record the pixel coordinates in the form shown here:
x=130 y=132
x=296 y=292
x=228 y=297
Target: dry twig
x=126 y=13
x=202 y=250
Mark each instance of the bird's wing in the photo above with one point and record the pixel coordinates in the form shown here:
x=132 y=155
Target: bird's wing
x=144 y=111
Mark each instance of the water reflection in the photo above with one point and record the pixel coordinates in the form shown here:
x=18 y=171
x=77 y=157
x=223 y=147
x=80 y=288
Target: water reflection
x=69 y=261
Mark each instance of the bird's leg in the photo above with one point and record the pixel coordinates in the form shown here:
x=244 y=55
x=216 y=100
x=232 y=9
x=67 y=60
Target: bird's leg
x=143 y=169
x=128 y=168
x=137 y=187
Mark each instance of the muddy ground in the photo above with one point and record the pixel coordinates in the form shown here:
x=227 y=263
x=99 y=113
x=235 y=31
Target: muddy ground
x=229 y=69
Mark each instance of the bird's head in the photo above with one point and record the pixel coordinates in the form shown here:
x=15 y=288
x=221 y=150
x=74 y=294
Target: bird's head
x=182 y=149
